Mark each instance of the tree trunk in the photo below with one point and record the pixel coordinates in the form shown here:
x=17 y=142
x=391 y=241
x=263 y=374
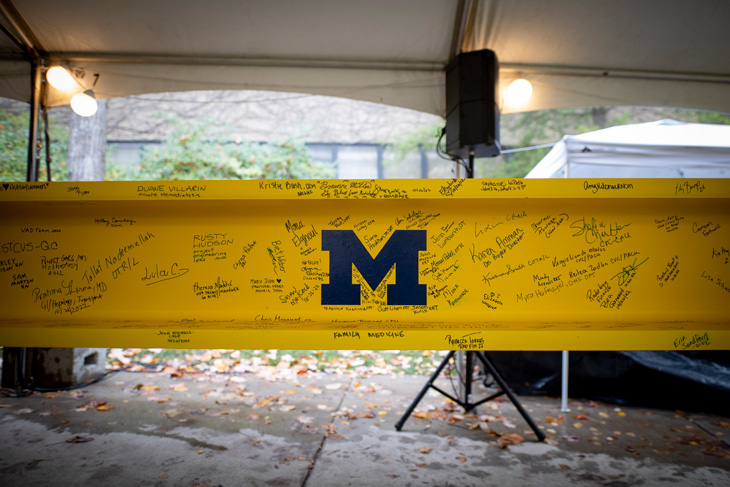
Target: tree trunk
x=87 y=146
x=600 y=116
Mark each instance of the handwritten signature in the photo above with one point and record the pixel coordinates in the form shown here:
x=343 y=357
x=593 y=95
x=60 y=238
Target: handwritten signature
x=478 y=231
x=628 y=272
x=159 y=275
x=597 y=231
x=696 y=342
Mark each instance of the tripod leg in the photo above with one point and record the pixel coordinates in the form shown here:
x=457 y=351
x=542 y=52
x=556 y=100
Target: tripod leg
x=420 y=395
x=468 y=377
x=503 y=385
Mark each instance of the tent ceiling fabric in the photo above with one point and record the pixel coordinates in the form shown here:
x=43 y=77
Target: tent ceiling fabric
x=589 y=52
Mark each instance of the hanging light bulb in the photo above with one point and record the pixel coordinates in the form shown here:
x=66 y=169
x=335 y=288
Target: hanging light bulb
x=84 y=104
x=518 y=93
x=61 y=79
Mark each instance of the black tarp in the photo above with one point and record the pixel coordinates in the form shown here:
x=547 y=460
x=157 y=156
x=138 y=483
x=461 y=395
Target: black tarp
x=692 y=381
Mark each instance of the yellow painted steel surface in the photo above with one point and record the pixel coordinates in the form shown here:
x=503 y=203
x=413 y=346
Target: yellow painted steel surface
x=387 y=264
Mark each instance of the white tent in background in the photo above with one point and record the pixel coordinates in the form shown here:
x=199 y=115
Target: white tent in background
x=663 y=149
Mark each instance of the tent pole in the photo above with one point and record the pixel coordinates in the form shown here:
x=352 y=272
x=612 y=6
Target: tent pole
x=564 y=382
x=35 y=87
x=564 y=385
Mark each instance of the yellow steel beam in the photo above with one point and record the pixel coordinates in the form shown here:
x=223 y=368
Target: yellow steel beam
x=424 y=264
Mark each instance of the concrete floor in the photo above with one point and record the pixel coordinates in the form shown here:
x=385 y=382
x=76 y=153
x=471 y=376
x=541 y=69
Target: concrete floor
x=314 y=430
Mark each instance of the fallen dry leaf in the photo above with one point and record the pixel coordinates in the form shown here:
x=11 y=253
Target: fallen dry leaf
x=171 y=413
x=267 y=401
x=510 y=439
x=425 y=450
x=79 y=439
x=368 y=414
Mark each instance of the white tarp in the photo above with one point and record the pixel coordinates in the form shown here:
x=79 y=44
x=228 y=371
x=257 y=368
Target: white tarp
x=662 y=149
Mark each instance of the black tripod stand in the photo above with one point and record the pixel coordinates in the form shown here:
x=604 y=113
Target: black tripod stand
x=469 y=377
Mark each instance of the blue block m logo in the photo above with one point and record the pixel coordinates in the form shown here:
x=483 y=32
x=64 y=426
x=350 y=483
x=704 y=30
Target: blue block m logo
x=401 y=251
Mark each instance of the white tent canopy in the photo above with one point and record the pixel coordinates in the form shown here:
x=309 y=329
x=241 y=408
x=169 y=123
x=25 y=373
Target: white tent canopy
x=663 y=149
x=575 y=53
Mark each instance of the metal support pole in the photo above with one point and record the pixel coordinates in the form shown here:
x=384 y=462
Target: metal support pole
x=564 y=385
x=21 y=378
x=460 y=359
x=47 y=143
x=468 y=373
x=35 y=87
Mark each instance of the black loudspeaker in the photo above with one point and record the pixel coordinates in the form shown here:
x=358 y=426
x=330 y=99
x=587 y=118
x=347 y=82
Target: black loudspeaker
x=472 y=111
